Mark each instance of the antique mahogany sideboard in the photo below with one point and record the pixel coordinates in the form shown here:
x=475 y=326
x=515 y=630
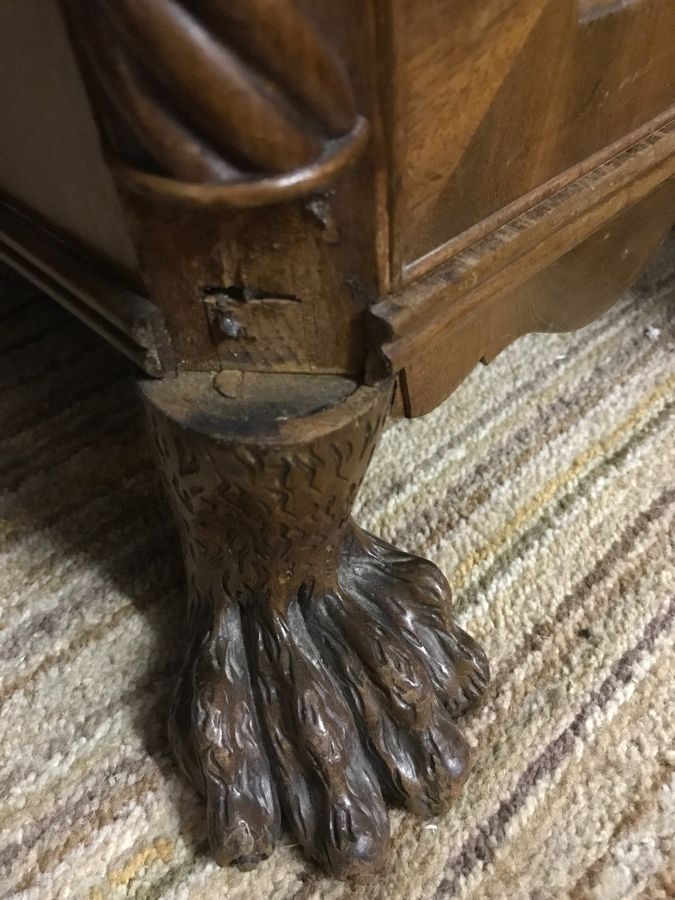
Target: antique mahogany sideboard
x=295 y=216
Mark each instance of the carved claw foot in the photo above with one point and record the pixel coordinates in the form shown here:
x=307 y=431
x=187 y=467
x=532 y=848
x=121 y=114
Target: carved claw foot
x=323 y=676
x=322 y=706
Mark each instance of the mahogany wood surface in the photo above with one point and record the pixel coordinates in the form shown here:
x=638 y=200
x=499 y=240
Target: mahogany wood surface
x=492 y=100
x=278 y=180
x=483 y=289
x=283 y=210
x=190 y=134
x=570 y=292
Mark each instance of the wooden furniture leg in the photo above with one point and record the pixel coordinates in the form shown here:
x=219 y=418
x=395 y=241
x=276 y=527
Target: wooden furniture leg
x=323 y=674
x=277 y=208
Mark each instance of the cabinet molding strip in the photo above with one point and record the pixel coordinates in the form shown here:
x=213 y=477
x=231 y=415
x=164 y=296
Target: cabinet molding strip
x=129 y=321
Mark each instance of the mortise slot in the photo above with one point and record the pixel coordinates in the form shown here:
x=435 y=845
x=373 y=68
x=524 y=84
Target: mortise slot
x=245 y=293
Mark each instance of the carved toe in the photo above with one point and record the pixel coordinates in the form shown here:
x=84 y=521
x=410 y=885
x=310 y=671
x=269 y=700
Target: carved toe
x=214 y=731
x=421 y=762
x=240 y=831
x=414 y=596
x=329 y=791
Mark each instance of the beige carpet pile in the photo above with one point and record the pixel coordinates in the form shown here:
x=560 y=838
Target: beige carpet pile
x=544 y=488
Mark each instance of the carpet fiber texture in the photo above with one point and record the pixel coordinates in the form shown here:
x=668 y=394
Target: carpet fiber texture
x=544 y=488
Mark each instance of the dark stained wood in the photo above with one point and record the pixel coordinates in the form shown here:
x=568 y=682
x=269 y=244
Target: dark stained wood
x=114 y=310
x=323 y=673
x=240 y=192
x=214 y=95
x=524 y=203
x=325 y=243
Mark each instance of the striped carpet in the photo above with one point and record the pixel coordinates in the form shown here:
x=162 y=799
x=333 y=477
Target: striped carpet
x=545 y=489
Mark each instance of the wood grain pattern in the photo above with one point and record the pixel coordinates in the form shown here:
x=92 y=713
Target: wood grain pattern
x=321 y=194
x=286 y=287
x=415 y=324
x=323 y=675
x=260 y=227
x=567 y=294
x=207 y=95
x=494 y=100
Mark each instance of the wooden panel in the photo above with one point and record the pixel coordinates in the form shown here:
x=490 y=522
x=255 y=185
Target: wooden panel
x=418 y=327
x=571 y=292
x=50 y=159
x=493 y=100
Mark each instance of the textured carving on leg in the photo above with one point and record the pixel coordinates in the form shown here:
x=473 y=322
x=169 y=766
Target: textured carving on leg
x=322 y=676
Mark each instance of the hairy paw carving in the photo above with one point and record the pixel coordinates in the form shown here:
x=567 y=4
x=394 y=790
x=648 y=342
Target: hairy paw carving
x=316 y=708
